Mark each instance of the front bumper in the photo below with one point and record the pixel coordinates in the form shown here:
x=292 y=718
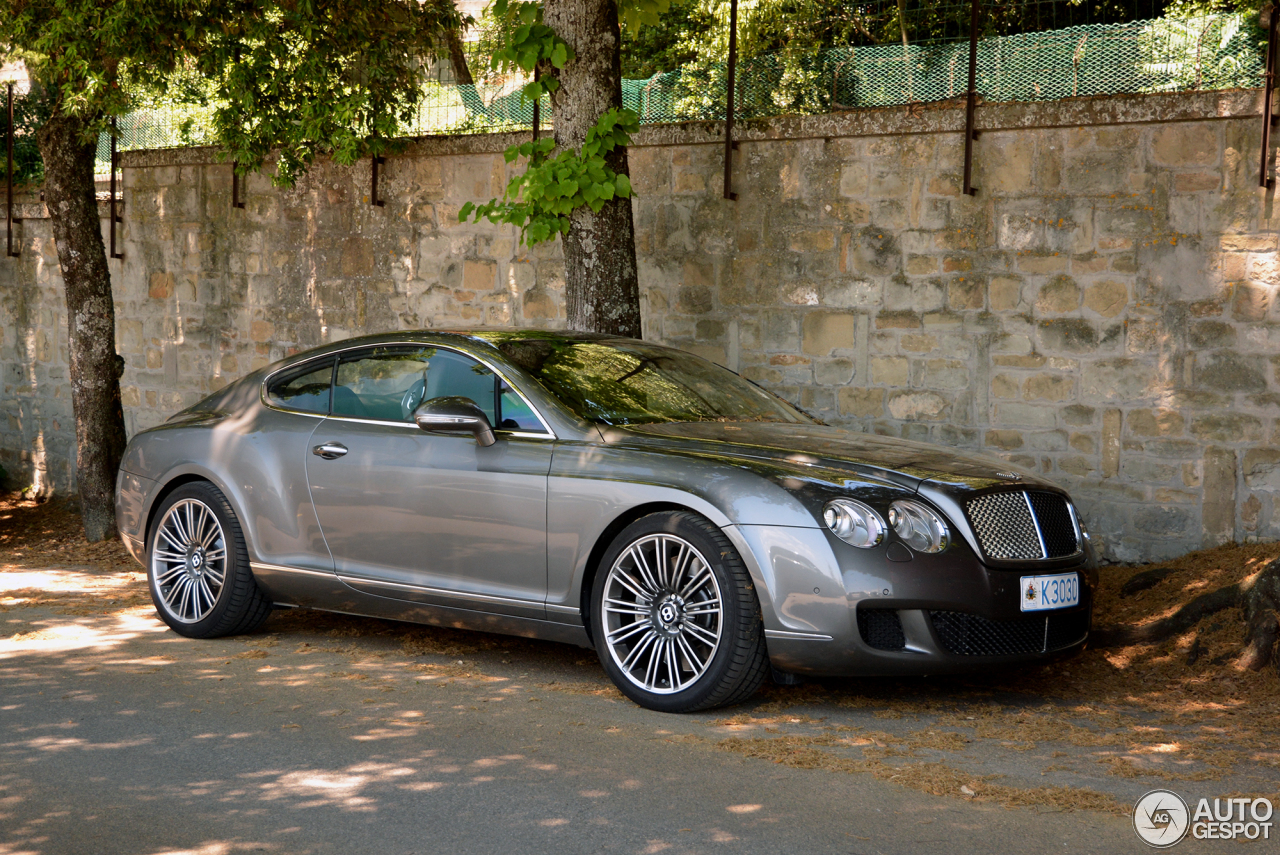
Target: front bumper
x=834 y=610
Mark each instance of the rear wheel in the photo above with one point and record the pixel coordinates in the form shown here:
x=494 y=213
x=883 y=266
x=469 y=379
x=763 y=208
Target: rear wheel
x=198 y=567
x=675 y=617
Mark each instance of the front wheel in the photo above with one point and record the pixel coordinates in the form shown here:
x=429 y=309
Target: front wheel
x=198 y=567
x=675 y=618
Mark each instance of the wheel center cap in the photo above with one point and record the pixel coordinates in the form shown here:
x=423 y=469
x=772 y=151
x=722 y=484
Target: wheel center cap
x=667 y=614
x=195 y=562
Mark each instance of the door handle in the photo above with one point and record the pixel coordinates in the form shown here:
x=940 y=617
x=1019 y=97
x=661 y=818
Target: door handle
x=329 y=450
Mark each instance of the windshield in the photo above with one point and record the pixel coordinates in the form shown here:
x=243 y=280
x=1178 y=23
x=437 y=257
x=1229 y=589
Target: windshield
x=619 y=382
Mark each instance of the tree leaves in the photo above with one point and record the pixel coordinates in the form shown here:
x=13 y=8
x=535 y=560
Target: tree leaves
x=541 y=199
x=306 y=77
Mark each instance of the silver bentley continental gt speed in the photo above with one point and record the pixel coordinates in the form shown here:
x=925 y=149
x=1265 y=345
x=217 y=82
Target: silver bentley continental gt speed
x=696 y=531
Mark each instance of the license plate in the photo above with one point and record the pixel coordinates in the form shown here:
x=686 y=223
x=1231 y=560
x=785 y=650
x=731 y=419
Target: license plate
x=1050 y=592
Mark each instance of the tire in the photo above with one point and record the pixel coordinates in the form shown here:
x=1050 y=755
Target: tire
x=198 y=567
x=675 y=617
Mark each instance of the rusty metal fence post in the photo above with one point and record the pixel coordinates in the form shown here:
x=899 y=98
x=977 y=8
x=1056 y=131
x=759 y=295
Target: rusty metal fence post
x=729 y=144
x=971 y=102
x=115 y=156
x=10 y=219
x=1269 y=15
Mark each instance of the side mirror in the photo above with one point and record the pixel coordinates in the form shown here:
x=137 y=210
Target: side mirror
x=453 y=414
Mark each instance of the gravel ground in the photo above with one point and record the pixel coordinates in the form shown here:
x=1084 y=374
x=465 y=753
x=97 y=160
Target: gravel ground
x=1039 y=753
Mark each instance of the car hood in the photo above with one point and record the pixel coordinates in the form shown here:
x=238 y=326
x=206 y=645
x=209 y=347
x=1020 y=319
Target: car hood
x=900 y=461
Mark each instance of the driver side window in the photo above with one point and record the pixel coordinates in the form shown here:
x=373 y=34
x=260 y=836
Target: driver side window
x=388 y=383
x=384 y=384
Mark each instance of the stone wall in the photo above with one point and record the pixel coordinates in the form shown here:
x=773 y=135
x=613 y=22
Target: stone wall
x=1103 y=310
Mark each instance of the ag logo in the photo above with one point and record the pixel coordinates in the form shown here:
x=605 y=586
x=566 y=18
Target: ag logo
x=1161 y=818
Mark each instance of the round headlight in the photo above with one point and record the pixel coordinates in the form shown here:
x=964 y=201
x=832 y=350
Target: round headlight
x=920 y=527
x=854 y=523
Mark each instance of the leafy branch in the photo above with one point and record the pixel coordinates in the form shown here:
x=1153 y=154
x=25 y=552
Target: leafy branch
x=530 y=43
x=541 y=199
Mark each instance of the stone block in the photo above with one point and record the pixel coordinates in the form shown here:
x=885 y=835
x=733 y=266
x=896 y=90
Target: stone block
x=1155 y=422
x=161 y=285
x=965 y=294
x=1164 y=521
x=476 y=275
x=1186 y=144
x=1229 y=371
x=853 y=180
x=1218 y=507
x=1026 y=415
x=1227 y=427
x=824 y=332
x=813 y=241
x=1068 y=335
x=951 y=374
x=1078 y=415
x=694 y=300
x=1049 y=387
x=1004 y=386
x=1123 y=379
x=1111 y=422
x=1107 y=298
x=1211 y=335
x=890 y=370
x=861 y=403
x=917 y=405
x=833 y=372
x=1144 y=471
x=1004 y=439
x=1005 y=294
x=1059 y=296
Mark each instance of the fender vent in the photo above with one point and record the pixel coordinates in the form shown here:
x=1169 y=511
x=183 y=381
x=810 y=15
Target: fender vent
x=881 y=629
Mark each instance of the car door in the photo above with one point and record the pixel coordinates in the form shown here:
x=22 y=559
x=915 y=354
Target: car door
x=428 y=517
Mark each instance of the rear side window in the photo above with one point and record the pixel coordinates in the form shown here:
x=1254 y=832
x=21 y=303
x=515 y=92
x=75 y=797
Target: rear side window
x=306 y=390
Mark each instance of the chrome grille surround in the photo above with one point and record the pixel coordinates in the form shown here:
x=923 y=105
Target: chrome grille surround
x=1024 y=525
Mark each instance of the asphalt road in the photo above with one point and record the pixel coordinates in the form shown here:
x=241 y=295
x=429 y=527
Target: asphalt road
x=117 y=736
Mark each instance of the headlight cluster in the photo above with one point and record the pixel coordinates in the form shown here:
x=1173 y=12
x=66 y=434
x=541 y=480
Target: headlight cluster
x=854 y=523
x=917 y=525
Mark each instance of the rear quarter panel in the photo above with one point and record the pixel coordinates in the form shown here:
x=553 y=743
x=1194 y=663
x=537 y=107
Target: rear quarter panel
x=256 y=459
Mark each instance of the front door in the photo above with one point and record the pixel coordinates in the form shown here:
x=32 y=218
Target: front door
x=426 y=517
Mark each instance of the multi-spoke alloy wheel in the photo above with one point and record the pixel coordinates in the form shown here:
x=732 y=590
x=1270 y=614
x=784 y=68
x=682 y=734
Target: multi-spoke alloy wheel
x=189 y=561
x=198 y=566
x=662 y=613
x=675 y=617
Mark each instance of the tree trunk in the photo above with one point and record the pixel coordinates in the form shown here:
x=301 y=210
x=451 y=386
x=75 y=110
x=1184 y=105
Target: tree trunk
x=458 y=57
x=602 y=290
x=91 y=321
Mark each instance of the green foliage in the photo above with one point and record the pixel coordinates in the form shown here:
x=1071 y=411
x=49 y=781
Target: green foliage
x=30 y=111
x=541 y=199
x=528 y=43
x=306 y=77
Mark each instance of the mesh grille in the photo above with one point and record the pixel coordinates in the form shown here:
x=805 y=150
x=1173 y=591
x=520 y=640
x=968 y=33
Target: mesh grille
x=1068 y=628
x=881 y=629
x=1007 y=529
x=973 y=635
x=1056 y=526
x=1004 y=526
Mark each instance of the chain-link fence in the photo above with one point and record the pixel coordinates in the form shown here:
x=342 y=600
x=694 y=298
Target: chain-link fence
x=1218 y=51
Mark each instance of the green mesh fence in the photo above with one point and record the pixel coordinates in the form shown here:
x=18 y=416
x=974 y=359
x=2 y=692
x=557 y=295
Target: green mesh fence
x=1159 y=55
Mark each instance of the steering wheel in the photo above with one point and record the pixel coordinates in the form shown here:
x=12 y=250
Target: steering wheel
x=412 y=398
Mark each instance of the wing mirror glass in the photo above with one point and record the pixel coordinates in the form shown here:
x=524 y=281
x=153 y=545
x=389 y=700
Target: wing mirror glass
x=454 y=414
